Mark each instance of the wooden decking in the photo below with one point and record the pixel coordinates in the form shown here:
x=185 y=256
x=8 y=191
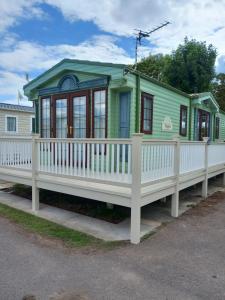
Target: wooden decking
x=130 y=173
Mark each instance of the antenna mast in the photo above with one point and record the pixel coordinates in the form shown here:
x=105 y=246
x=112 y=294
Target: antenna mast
x=143 y=34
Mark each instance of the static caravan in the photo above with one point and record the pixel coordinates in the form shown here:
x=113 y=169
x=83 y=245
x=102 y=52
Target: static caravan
x=109 y=133
x=83 y=99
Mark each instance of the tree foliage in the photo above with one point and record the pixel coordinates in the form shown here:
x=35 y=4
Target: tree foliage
x=218 y=89
x=190 y=68
x=154 y=66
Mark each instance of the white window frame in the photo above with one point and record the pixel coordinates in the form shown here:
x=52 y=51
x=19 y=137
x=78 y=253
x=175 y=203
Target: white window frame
x=11 y=116
x=31 y=118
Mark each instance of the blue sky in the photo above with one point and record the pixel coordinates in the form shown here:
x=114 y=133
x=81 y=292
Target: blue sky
x=36 y=34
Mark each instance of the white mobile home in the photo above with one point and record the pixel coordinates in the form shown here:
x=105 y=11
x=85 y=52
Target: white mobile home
x=16 y=119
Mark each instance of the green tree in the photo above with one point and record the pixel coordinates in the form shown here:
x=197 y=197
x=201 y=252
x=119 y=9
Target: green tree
x=191 y=67
x=154 y=65
x=218 y=89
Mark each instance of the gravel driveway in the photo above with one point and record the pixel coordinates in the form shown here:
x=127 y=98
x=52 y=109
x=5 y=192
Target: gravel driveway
x=184 y=260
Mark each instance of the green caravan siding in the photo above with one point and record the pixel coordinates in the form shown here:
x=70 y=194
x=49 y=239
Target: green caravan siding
x=53 y=82
x=82 y=69
x=113 y=113
x=222 y=125
x=166 y=104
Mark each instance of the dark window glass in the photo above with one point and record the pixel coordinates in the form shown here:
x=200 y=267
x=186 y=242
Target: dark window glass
x=11 y=124
x=61 y=118
x=33 y=125
x=146 y=113
x=45 y=118
x=100 y=114
x=79 y=117
x=183 y=120
x=217 y=128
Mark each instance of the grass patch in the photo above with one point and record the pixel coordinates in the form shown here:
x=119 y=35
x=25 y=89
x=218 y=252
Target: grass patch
x=70 y=237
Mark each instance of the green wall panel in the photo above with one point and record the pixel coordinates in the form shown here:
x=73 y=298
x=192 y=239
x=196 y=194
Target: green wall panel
x=167 y=101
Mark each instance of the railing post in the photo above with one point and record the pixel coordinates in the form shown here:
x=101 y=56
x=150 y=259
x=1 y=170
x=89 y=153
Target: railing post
x=35 y=189
x=205 y=181
x=175 y=196
x=135 y=228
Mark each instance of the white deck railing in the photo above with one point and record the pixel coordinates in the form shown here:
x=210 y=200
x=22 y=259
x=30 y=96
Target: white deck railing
x=16 y=152
x=109 y=159
x=105 y=159
x=157 y=160
x=216 y=154
x=192 y=157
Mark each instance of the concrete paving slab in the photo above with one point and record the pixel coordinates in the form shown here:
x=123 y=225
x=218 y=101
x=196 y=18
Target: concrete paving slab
x=153 y=215
x=5 y=184
x=98 y=228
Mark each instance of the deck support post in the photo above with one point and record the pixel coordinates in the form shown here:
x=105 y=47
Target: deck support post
x=35 y=189
x=223 y=179
x=205 y=181
x=175 y=196
x=135 y=227
x=175 y=204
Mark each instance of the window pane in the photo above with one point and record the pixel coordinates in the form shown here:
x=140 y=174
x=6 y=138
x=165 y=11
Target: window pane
x=45 y=118
x=183 y=121
x=33 y=125
x=147 y=114
x=79 y=117
x=147 y=104
x=217 y=134
x=147 y=125
x=61 y=118
x=11 y=124
x=100 y=114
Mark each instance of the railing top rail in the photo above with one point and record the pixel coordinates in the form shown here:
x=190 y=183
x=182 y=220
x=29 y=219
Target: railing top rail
x=170 y=142
x=86 y=140
x=217 y=143
x=155 y=141
x=193 y=142
x=17 y=138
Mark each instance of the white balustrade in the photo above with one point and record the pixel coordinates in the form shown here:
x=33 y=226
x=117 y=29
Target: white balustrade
x=157 y=160
x=192 y=157
x=16 y=152
x=216 y=154
x=108 y=159
x=105 y=159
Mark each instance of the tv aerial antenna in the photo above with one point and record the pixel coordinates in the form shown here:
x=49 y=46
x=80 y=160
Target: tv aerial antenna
x=144 y=34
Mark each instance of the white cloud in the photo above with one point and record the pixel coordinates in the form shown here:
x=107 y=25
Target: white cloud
x=24 y=57
x=197 y=19
x=203 y=20
x=10 y=84
x=11 y=11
